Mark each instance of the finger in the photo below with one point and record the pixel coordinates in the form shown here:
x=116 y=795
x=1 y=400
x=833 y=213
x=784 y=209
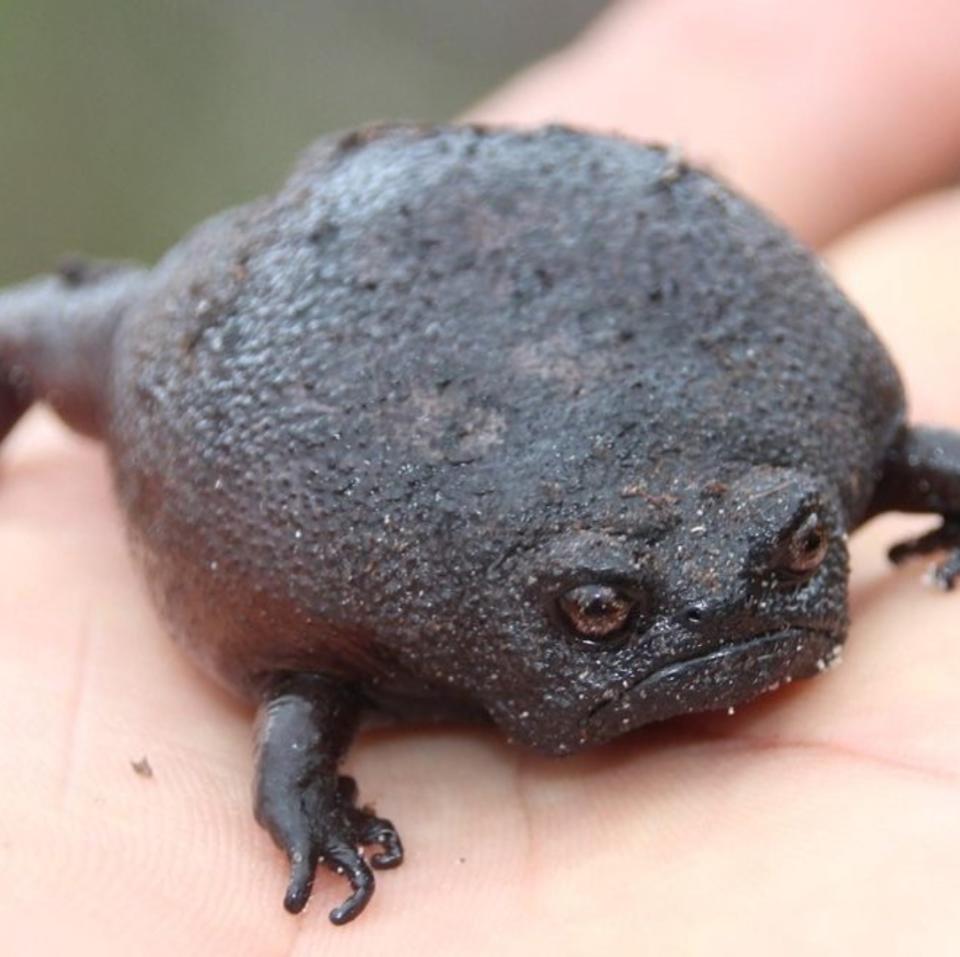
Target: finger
x=825 y=112
x=902 y=271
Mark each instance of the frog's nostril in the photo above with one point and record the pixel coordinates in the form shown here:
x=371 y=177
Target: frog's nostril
x=695 y=615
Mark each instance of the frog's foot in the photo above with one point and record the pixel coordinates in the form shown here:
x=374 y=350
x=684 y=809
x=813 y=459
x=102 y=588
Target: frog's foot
x=305 y=725
x=56 y=341
x=315 y=827
x=945 y=538
x=921 y=473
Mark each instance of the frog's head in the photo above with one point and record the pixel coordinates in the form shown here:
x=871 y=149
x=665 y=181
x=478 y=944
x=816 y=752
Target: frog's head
x=720 y=591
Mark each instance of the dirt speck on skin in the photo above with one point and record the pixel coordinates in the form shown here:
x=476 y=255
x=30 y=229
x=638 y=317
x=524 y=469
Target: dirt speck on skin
x=142 y=768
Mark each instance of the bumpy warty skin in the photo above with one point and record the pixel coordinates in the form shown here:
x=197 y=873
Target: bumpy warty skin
x=371 y=425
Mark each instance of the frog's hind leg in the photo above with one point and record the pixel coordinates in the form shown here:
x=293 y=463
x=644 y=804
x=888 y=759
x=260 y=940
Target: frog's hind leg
x=56 y=336
x=304 y=726
x=922 y=474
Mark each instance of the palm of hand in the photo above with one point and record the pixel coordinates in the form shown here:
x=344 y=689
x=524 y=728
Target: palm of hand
x=824 y=816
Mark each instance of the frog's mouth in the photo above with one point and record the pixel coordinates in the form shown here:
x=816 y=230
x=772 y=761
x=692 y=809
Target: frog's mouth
x=717 y=679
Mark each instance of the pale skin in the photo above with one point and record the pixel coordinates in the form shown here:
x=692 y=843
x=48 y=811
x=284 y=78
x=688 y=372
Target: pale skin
x=824 y=818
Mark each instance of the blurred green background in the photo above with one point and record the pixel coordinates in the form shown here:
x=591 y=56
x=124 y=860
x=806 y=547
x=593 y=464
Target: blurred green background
x=123 y=122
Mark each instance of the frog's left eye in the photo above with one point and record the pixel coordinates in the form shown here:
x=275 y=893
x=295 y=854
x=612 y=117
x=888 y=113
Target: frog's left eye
x=596 y=612
x=803 y=550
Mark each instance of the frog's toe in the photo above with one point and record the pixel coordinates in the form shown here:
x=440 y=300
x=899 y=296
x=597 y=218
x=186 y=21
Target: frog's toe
x=369 y=828
x=947 y=573
x=346 y=859
x=378 y=830
x=303 y=866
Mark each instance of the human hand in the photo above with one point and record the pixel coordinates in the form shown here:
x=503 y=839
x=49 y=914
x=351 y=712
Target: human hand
x=824 y=817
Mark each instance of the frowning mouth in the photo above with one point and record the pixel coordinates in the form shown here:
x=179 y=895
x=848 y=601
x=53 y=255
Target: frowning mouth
x=739 y=671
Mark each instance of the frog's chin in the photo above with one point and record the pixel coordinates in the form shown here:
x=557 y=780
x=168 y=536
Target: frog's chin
x=715 y=680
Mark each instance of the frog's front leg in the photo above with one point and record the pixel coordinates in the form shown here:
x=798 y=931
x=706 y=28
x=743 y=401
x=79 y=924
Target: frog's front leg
x=922 y=474
x=305 y=724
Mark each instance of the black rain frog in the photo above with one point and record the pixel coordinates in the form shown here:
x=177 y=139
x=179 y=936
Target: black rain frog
x=539 y=428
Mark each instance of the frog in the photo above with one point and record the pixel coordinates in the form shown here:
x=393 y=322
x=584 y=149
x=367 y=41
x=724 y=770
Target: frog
x=545 y=429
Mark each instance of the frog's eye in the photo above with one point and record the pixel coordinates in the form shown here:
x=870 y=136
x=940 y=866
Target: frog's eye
x=596 y=612
x=803 y=550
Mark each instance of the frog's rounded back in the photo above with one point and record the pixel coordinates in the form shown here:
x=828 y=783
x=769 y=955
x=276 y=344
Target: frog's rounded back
x=428 y=332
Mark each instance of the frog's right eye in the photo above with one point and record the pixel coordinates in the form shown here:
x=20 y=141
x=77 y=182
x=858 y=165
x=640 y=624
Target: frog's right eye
x=597 y=612
x=803 y=550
